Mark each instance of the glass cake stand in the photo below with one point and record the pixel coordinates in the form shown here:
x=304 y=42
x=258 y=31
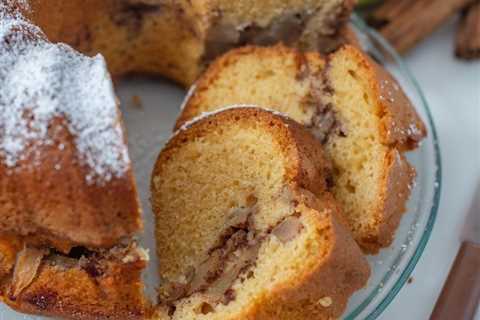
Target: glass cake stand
x=149 y=125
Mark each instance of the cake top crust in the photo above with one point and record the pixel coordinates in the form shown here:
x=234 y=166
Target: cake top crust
x=41 y=82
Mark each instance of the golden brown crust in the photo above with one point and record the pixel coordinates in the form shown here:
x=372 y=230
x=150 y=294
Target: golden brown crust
x=9 y=246
x=401 y=125
x=349 y=36
x=37 y=204
x=52 y=199
x=104 y=289
x=402 y=129
x=323 y=291
x=398 y=180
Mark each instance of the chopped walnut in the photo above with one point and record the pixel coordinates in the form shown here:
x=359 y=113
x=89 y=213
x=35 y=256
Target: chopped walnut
x=325 y=302
x=288 y=229
x=26 y=268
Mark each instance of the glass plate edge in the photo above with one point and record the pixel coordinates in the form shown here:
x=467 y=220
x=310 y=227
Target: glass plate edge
x=362 y=26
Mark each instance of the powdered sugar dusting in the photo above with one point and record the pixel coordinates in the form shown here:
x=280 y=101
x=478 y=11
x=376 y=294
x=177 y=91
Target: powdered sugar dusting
x=41 y=81
x=413 y=130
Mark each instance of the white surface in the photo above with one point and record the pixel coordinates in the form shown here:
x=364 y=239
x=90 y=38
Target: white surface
x=452 y=89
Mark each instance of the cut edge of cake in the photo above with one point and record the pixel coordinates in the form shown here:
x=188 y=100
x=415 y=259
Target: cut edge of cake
x=306 y=77
x=321 y=282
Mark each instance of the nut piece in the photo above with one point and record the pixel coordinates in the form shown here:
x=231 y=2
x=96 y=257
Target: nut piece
x=26 y=268
x=288 y=229
x=325 y=302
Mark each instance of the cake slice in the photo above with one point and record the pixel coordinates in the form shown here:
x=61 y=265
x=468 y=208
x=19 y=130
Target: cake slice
x=354 y=108
x=246 y=227
x=178 y=38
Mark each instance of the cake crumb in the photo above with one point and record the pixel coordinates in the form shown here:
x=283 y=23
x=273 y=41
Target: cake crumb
x=410 y=280
x=325 y=302
x=137 y=102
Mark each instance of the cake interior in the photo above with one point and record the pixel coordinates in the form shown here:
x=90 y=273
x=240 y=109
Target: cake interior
x=228 y=227
x=306 y=24
x=359 y=157
x=335 y=101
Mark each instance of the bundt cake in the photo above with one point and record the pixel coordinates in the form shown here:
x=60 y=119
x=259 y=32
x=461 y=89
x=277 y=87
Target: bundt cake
x=246 y=228
x=66 y=177
x=84 y=285
x=353 y=107
x=68 y=202
x=177 y=38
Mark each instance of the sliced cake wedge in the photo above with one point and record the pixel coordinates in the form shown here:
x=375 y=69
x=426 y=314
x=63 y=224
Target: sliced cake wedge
x=353 y=106
x=246 y=228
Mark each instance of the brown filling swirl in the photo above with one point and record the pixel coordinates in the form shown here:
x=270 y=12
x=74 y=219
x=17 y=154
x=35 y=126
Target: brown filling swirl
x=232 y=259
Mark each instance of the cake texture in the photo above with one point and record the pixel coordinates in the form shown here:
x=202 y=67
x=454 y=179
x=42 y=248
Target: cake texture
x=353 y=107
x=246 y=228
x=177 y=38
x=68 y=201
x=82 y=285
x=9 y=247
x=66 y=177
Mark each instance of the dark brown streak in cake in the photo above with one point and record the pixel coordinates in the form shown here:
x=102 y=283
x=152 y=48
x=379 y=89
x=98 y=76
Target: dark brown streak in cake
x=286 y=29
x=329 y=179
x=232 y=259
x=92 y=267
x=131 y=14
x=303 y=68
x=325 y=121
x=223 y=36
x=83 y=39
x=325 y=82
x=235 y=252
x=340 y=17
x=43 y=300
x=186 y=21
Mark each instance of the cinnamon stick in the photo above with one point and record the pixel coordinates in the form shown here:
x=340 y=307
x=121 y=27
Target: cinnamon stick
x=406 y=22
x=468 y=34
x=385 y=13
